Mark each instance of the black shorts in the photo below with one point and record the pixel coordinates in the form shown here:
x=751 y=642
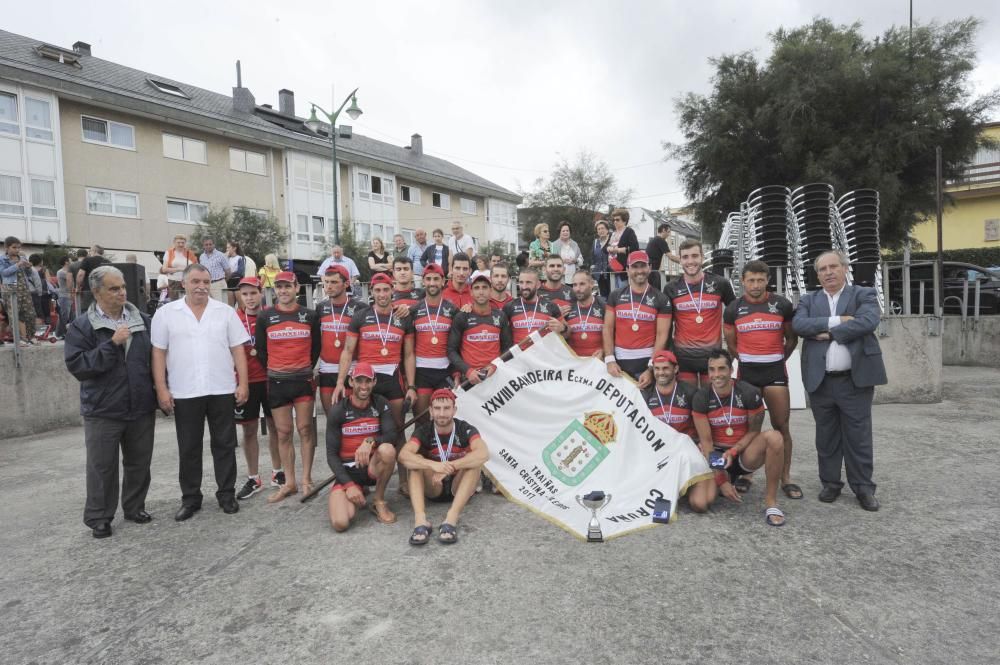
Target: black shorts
x=634 y=367
x=736 y=469
x=359 y=476
x=429 y=379
x=446 y=495
x=388 y=386
x=257 y=399
x=282 y=392
x=762 y=375
x=327 y=381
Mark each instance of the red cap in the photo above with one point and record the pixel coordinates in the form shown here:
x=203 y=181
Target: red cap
x=480 y=275
x=433 y=268
x=285 y=276
x=381 y=278
x=337 y=269
x=442 y=393
x=363 y=369
x=638 y=256
x=664 y=356
x=249 y=281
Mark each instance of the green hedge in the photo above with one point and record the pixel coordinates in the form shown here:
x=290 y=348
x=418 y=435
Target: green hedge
x=980 y=256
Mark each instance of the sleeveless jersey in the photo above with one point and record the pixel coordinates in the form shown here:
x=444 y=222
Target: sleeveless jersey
x=334 y=320
x=527 y=317
x=642 y=309
x=732 y=412
x=692 y=341
x=760 y=328
x=432 y=325
x=288 y=342
x=673 y=408
x=476 y=339
x=376 y=331
x=586 y=326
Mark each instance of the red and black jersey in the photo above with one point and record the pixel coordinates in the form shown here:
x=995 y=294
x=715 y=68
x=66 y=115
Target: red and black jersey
x=705 y=300
x=633 y=309
x=348 y=425
x=729 y=415
x=760 y=328
x=476 y=339
x=288 y=342
x=255 y=371
x=465 y=434
x=674 y=408
x=408 y=297
x=334 y=320
x=562 y=295
x=458 y=298
x=498 y=303
x=376 y=331
x=527 y=317
x=586 y=327
x=432 y=324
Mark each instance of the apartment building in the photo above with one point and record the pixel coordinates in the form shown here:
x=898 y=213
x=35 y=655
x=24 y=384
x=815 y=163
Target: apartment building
x=94 y=151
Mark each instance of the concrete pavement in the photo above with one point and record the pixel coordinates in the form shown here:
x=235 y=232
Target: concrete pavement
x=914 y=583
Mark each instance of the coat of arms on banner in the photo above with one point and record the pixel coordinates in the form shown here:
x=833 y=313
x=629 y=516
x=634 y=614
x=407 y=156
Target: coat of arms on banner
x=580 y=447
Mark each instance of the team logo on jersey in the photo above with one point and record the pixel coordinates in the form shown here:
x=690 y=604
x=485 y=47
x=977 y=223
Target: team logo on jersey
x=772 y=307
x=737 y=399
x=680 y=401
x=709 y=287
x=303 y=315
x=496 y=321
x=742 y=311
x=650 y=301
x=580 y=447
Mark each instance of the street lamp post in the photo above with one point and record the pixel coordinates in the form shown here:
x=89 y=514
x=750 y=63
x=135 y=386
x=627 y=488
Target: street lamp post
x=314 y=124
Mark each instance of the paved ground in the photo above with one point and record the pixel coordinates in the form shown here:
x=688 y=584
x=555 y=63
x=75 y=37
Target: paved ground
x=914 y=583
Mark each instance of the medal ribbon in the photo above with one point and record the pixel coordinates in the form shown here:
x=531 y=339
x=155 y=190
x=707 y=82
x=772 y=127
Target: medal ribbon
x=246 y=324
x=587 y=319
x=732 y=396
x=631 y=302
x=701 y=292
x=383 y=337
x=340 y=319
x=670 y=404
x=442 y=455
x=524 y=307
x=437 y=315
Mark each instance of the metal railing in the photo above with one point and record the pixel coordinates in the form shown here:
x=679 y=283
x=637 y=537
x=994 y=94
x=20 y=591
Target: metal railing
x=13 y=321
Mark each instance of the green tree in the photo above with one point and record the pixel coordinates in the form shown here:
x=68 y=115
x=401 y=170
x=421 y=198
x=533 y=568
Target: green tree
x=353 y=248
x=587 y=183
x=831 y=106
x=581 y=224
x=258 y=235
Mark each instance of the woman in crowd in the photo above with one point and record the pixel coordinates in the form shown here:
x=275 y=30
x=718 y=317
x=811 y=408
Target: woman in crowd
x=175 y=260
x=268 y=273
x=540 y=247
x=379 y=260
x=623 y=242
x=437 y=252
x=566 y=248
x=237 y=269
x=600 y=253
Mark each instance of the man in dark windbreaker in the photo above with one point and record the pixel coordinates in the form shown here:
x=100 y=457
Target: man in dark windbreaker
x=108 y=350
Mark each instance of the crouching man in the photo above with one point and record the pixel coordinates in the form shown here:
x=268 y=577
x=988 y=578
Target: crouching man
x=445 y=457
x=360 y=432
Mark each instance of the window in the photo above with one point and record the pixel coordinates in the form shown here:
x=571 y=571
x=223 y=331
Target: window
x=246 y=161
x=38 y=119
x=60 y=55
x=439 y=200
x=114 y=134
x=112 y=203
x=387 y=189
x=468 y=206
x=364 y=188
x=363 y=232
x=181 y=147
x=168 y=88
x=377 y=186
x=407 y=236
x=409 y=194
x=299 y=173
x=377 y=231
x=186 y=212
x=255 y=211
x=11 y=199
x=43 y=198
x=8 y=113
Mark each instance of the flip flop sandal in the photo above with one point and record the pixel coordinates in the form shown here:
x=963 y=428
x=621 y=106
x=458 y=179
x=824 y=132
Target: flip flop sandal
x=377 y=507
x=422 y=530
x=447 y=530
x=281 y=494
x=742 y=485
x=792 y=491
x=774 y=512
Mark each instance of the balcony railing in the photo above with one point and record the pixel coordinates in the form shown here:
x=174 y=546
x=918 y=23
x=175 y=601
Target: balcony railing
x=978 y=174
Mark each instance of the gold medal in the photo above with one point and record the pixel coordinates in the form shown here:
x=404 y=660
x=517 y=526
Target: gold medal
x=384 y=351
x=729 y=431
x=635 y=327
x=583 y=335
x=253 y=352
x=699 y=319
x=336 y=343
x=434 y=340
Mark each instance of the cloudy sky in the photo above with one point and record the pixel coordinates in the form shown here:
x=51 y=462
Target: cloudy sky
x=501 y=87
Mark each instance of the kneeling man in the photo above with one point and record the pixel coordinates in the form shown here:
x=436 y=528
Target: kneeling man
x=728 y=415
x=360 y=432
x=445 y=456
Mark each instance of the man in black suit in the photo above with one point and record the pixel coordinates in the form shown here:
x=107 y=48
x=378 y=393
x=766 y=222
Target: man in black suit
x=841 y=365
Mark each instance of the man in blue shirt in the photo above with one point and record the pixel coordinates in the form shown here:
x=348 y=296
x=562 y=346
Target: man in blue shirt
x=217 y=265
x=416 y=250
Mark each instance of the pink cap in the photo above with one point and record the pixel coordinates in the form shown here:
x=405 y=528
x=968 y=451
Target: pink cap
x=363 y=369
x=638 y=256
x=249 y=281
x=285 y=276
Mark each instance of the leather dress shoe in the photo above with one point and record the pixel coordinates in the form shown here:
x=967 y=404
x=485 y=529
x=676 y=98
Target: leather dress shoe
x=229 y=505
x=868 y=502
x=186 y=512
x=102 y=530
x=141 y=517
x=829 y=494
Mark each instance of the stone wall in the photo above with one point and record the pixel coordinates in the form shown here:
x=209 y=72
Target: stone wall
x=971 y=341
x=39 y=396
x=911 y=350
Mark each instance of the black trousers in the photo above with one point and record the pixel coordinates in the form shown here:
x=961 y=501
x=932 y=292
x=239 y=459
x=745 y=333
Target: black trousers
x=843 y=415
x=655 y=277
x=103 y=437
x=189 y=418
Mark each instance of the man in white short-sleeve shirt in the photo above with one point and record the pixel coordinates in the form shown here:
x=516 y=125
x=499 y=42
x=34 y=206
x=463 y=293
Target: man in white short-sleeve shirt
x=200 y=373
x=459 y=242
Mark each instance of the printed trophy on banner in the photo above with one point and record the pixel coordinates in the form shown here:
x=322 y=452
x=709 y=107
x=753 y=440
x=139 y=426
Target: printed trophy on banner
x=594 y=501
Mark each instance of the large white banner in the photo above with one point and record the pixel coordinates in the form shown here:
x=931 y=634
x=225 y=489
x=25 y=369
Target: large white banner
x=559 y=426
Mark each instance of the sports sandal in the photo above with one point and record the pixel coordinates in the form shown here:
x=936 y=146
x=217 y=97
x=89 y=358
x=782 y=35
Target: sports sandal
x=380 y=509
x=774 y=512
x=447 y=534
x=792 y=491
x=421 y=535
x=742 y=484
x=283 y=493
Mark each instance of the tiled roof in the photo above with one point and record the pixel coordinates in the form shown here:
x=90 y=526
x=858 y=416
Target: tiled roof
x=20 y=60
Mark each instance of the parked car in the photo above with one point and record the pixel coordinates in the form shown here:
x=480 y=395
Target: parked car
x=955 y=275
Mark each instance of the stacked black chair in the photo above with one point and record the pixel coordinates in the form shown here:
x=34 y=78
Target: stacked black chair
x=767 y=214
x=859 y=215
x=815 y=216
